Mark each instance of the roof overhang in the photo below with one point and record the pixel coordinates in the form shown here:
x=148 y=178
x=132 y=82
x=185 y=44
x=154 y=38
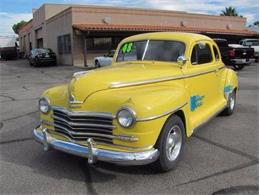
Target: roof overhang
x=149 y=28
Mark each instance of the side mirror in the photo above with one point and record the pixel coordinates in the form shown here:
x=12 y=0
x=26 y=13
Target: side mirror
x=181 y=60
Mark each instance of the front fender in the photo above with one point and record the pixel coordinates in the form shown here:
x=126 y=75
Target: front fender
x=57 y=95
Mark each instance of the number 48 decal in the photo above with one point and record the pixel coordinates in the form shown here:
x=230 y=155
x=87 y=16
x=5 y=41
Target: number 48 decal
x=127 y=48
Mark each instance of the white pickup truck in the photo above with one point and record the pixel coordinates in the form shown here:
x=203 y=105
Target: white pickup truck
x=253 y=43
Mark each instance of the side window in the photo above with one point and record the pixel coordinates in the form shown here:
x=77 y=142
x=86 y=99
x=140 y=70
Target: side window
x=216 y=54
x=201 y=54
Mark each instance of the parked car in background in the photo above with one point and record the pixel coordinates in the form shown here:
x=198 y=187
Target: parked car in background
x=104 y=60
x=235 y=55
x=42 y=56
x=159 y=90
x=253 y=43
x=224 y=50
x=240 y=55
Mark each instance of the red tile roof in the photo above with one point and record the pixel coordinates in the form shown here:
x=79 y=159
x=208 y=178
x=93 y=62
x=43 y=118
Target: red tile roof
x=145 y=28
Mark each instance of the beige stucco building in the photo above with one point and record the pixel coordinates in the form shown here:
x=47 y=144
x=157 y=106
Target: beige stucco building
x=78 y=33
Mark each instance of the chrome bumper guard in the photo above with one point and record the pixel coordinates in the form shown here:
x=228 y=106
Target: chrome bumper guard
x=92 y=153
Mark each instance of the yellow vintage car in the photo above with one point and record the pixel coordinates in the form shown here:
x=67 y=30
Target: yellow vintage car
x=159 y=89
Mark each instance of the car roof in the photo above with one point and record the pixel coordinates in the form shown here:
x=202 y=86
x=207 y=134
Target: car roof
x=178 y=36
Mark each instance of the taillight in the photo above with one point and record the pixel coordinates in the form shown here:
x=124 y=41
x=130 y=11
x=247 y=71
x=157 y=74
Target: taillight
x=231 y=53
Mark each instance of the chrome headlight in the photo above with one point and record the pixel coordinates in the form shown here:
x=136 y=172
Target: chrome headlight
x=126 y=117
x=44 y=105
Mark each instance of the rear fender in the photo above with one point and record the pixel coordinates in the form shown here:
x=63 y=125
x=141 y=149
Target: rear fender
x=231 y=82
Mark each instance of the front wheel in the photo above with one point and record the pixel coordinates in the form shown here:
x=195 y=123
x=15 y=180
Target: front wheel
x=238 y=66
x=97 y=64
x=170 y=143
x=230 y=104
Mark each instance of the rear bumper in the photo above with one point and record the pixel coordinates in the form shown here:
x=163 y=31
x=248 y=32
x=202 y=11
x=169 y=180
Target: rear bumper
x=92 y=153
x=45 y=60
x=243 y=61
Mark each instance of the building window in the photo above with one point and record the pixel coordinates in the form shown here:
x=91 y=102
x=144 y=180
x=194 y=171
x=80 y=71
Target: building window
x=102 y=43
x=96 y=44
x=64 y=44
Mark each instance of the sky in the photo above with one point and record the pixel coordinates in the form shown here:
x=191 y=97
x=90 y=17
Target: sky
x=13 y=11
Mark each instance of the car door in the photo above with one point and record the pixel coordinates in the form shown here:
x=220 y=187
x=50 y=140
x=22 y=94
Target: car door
x=202 y=82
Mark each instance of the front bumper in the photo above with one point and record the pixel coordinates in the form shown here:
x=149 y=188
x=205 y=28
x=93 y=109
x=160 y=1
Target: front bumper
x=92 y=153
x=243 y=61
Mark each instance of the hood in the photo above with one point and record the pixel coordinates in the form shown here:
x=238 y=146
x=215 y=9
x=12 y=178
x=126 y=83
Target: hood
x=83 y=85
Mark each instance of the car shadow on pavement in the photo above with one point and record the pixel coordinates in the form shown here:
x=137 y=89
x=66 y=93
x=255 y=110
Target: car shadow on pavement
x=149 y=169
x=29 y=156
x=59 y=165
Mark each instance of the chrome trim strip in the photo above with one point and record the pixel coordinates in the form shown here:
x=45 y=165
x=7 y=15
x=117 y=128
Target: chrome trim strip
x=161 y=115
x=156 y=80
x=123 y=158
x=221 y=68
x=119 y=137
x=126 y=147
x=84 y=113
x=143 y=82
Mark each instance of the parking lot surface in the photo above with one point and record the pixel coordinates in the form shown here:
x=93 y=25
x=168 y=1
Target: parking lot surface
x=220 y=158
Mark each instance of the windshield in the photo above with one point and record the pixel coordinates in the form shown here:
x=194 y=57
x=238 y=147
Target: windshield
x=253 y=42
x=151 y=50
x=43 y=50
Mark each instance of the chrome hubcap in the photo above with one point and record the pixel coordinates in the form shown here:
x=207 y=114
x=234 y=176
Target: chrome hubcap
x=173 y=143
x=232 y=102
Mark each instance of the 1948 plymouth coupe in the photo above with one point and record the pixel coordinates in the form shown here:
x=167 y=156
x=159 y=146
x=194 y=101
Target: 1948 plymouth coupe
x=158 y=90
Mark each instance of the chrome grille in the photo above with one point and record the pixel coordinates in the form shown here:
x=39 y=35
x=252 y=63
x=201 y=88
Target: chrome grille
x=80 y=126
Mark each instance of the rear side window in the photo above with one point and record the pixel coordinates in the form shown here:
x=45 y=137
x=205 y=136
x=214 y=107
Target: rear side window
x=216 y=54
x=201 y=54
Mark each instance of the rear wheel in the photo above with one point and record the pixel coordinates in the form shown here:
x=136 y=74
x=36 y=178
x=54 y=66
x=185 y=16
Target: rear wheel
x=231 y=104
x=170 y=143
x=30 y=62
x=238 y=66
x=54 y=63
x=35 y=63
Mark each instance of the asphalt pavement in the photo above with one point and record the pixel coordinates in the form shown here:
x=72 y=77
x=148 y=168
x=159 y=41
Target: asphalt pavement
x=220 y=158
